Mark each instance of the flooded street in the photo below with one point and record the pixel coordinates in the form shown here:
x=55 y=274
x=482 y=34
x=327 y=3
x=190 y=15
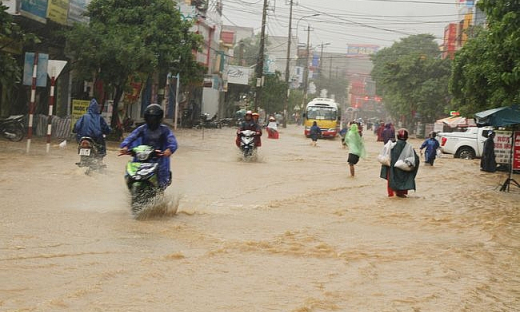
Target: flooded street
x=290 y=232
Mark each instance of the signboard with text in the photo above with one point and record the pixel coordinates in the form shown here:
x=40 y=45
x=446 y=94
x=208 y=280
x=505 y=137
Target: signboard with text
x=362 y=49
x=238 y=75
x=516 y=151
x=79 y=107
x=41 y=70
x=57 y=11
x=502 y=147
x=34 y=9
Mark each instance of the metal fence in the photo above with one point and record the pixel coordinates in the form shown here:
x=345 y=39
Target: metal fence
x=61 y=127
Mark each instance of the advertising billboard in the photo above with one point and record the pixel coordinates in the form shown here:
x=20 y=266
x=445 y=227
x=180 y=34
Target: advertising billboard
x=57 y=11
x=76 y=10
x=362 y=49
x=238 y=75
x=516 y=151
x=34 y=9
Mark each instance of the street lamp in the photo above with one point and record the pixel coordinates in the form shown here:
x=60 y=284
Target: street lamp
x=298 y=22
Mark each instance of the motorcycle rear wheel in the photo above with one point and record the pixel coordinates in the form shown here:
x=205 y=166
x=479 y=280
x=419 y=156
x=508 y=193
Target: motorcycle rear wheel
x=14 y=132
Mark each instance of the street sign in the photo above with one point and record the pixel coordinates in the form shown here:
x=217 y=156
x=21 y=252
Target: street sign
x=54 y=68
x=41 y=72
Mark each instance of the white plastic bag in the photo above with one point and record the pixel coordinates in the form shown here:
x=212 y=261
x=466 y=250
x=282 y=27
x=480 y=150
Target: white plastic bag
x=384 y=156
x=406 y=160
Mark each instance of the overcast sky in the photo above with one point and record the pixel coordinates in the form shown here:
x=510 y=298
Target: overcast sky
x=343 y=22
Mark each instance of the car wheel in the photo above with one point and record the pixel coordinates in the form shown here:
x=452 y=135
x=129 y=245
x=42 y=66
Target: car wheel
x=466 y=153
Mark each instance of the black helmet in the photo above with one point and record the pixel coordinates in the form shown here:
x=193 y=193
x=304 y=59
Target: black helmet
x=153 y=115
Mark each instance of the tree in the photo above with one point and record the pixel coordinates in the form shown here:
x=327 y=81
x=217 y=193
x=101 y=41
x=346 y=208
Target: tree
x=486 y=71
x=11 y=39
x=412 y=79
x=247 y=51
x=273 y=95
x=128 y=38
x=469 y=82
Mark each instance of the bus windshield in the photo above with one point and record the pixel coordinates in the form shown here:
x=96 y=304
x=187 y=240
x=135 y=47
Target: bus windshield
x=321 y=113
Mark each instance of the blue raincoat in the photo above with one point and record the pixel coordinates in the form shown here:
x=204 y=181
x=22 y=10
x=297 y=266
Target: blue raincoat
x=161 y=139
x=431 y=146
x=92 y=125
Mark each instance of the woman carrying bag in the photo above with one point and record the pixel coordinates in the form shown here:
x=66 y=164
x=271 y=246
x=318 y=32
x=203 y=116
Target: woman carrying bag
x=399 y=181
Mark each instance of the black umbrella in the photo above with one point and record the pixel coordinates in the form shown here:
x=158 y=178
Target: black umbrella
x=502 y=117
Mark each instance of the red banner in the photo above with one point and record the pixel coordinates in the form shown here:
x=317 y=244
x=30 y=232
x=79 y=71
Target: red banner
x=516 y=151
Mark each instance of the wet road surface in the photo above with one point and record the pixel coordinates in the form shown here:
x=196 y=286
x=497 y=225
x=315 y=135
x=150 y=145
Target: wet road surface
x=290 y=232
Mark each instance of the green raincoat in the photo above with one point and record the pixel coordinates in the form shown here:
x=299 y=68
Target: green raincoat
x=354 y=142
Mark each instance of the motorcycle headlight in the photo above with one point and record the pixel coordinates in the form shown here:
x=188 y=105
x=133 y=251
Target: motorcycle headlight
x=142 y=155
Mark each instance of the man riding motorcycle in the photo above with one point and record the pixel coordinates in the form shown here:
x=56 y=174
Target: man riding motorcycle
x=155 y=134
x=249 y=124
x=93 y=125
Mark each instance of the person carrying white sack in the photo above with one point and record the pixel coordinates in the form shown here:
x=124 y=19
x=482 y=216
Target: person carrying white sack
x=402 y=170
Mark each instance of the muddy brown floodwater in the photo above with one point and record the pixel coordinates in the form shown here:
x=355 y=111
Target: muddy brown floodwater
x=291 y=232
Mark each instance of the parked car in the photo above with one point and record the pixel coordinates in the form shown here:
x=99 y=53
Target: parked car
x=466 y=145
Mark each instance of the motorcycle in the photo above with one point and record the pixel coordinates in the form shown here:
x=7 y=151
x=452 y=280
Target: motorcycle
x=209 y=123
x=141 y=176
x=89 y=156
x=247 y=143
x=12 y=128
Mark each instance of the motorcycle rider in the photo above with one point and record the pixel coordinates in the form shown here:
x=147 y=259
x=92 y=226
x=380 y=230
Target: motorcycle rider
x=272 y=128
x=155 y=134
x=93 y=125
x=249 y=124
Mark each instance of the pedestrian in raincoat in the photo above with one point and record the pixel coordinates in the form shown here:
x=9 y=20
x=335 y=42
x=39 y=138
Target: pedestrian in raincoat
x=388 y=133
x=93 y=125
x=315 y=133
x=432 y=145
x=399 y=181
x=488 y=162
x=356 y=147
x=272 y=128
x=155 y=134
x=379 y=131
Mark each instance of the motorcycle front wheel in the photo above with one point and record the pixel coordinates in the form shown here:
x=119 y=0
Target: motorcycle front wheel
x=141 y=196
x=14 y=132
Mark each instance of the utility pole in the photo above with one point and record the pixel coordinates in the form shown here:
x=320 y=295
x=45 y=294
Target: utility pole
x=241 y=53
x=260 y=62
x=306 y=68
x=287 y=67
x=321 y=70
x=330 y=71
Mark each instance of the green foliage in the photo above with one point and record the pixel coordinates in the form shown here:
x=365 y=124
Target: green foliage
x=486 y=71
x=273 y=93
x=11 y=36
x=295 y=100
x=412 y=78
x=133 y=38
x=250 y=48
